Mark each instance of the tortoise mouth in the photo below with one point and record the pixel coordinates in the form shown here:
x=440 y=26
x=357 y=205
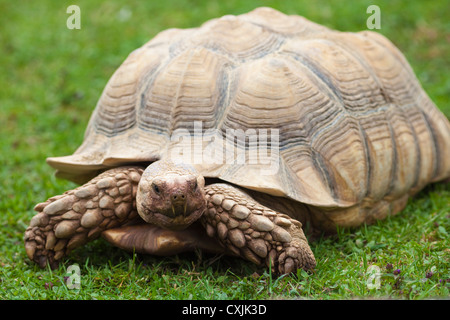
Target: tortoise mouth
x=177 y=218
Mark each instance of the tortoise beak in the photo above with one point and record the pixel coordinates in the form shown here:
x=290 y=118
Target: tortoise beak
x=179 y=210
x=179 y=204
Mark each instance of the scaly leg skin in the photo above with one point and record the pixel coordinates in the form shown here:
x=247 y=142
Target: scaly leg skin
x=255 y=232
x=80 y=215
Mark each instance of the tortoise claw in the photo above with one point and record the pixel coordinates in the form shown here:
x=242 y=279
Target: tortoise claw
x=42 y=261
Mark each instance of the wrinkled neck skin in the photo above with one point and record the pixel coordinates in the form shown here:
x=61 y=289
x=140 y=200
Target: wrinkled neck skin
x=171 y=195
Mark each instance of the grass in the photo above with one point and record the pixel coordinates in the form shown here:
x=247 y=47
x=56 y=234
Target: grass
x=50 y=80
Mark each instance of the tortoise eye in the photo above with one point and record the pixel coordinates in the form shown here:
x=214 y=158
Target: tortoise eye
x=156 y=189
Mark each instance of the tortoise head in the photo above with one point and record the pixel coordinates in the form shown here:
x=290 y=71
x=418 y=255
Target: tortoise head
x=171 y=195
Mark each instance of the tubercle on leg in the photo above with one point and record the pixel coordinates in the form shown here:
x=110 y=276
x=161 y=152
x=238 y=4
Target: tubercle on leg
x=67 y=221
x=255 y=232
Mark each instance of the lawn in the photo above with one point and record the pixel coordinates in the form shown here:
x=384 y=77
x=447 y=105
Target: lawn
x=50 y=80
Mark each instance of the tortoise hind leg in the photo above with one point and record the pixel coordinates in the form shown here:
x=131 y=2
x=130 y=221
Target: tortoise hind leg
x=80 y=215
x=255 y=232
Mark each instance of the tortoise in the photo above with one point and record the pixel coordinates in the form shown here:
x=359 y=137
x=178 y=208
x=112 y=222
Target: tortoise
x=240 y=137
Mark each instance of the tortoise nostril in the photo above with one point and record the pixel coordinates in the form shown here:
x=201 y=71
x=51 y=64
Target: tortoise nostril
x=178 y=197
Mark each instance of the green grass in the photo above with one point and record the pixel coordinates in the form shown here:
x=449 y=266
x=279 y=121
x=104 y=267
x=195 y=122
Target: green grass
x=50 y=80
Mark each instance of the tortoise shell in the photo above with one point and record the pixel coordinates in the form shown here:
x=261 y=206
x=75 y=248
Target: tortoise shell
x=350 y=121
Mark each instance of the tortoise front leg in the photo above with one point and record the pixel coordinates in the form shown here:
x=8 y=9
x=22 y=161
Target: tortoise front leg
x=70 y=220
x=255 y=232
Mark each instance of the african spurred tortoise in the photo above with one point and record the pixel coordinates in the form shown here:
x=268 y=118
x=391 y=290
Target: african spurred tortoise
x=327 y=128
